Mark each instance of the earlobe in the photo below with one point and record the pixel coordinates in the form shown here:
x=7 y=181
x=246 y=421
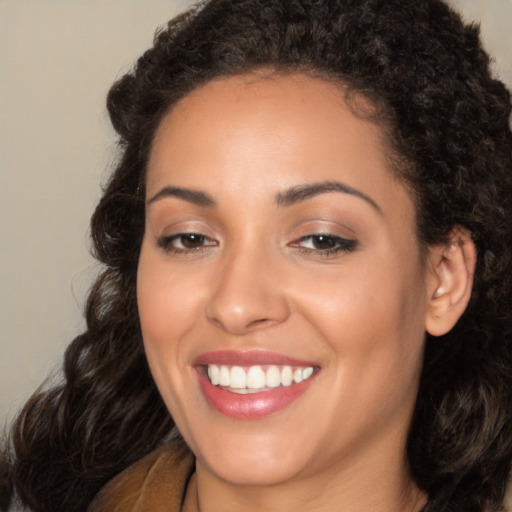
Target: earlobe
x=450 y=280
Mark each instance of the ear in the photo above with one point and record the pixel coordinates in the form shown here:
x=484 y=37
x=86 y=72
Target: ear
x=449 y=281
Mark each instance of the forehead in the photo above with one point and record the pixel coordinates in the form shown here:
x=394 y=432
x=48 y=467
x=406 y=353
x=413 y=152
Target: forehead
x=275 y=130
x=286 y=96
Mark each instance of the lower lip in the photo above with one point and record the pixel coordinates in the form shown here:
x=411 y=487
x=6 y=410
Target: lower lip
x=253 y=405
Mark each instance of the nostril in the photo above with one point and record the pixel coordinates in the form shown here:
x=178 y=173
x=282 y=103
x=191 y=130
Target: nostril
x=258 y=321
x=240 y=304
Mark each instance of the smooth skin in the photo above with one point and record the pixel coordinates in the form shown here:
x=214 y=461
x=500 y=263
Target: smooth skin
x=233 y=259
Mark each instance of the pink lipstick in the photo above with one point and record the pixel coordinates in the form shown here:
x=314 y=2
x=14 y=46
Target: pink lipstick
x=251 y=385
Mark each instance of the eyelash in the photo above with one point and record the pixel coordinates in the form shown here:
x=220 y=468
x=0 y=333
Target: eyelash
x=166 y=243
x=338 y=244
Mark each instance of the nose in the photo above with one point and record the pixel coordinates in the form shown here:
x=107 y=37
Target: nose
x=248 y=295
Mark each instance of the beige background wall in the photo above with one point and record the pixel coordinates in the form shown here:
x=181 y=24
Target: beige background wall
x=57 y=60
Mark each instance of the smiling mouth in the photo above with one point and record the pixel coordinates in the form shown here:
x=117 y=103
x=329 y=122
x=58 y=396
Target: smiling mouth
x=251 y=385
x=257 y=378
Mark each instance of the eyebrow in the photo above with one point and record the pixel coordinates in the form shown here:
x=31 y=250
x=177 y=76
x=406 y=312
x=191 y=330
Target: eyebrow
x=192 y=196
x=301 y=193
x=288 y=197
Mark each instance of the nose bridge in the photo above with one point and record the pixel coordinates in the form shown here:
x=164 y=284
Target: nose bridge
x=247 y=294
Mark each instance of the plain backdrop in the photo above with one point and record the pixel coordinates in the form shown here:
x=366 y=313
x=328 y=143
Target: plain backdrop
x=57 y=61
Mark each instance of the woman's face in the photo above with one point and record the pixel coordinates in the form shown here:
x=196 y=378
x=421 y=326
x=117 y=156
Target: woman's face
x=280 y=257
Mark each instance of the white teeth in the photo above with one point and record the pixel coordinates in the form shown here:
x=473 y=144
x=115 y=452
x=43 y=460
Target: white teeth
x=307 y=372
x=287 y=376
x=237 y=378
x=273 y=377
x=213 y=374
x=224 y=379
x=255 y=378
x=244 y=379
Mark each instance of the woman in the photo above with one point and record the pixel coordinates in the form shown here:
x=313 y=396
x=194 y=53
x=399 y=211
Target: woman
x=308 y=273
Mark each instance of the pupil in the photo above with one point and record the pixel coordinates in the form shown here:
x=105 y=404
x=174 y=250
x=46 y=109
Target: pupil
x=191 y=241
x=324 y=242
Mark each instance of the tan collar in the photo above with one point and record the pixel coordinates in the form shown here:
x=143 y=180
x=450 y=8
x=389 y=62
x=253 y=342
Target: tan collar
x=156 y=483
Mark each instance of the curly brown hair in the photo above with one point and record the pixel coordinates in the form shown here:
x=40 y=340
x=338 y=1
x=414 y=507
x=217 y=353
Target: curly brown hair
x=446 y=119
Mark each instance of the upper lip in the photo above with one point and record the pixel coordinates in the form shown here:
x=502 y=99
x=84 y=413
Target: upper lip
x=248 y=358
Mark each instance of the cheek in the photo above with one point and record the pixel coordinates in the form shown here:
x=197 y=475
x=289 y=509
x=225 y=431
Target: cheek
x=372 y=315
x=167 y=312
x=375 y=342
x=167 y=301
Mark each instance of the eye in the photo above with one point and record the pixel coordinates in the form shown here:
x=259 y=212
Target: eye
x=186 y=242
x=324 y=244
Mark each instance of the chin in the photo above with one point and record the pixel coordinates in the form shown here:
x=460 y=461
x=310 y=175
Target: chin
x=256 y=471
x=252 y=460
